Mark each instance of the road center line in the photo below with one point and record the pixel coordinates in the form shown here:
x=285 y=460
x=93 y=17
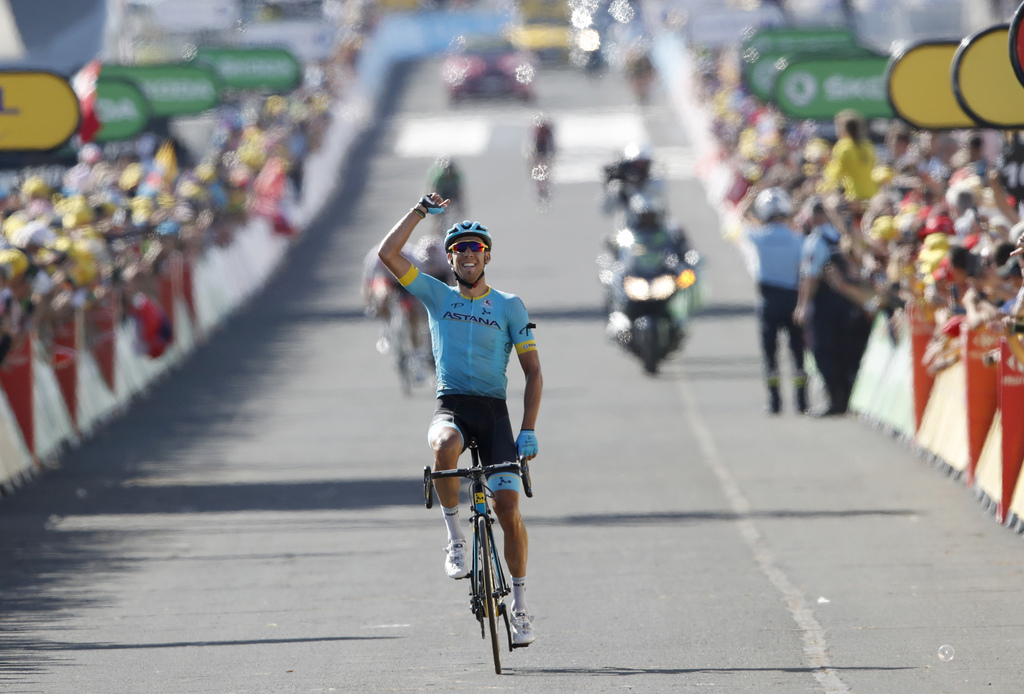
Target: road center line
x=815 y=645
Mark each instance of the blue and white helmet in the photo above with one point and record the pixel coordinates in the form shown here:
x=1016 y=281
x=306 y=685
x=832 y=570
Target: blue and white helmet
x=467 y=228
x=771 y=203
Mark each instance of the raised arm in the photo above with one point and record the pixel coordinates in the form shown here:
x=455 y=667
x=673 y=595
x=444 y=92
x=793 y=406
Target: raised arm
x=390 y=250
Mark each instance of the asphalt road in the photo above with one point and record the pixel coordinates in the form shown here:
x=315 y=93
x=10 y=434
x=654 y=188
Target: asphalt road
x=256 y=525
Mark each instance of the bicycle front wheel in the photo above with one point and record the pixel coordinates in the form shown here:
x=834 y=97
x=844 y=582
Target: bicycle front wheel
x=490 y=598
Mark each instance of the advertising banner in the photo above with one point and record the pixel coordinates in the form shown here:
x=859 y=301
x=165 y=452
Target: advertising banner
x=789 y=40
x=984 y=82
x=16 y=378
x=172 y=90
x=39 y=111
x=122 y=109
x=272 y=69
x=1011 y=403
x=1016 y=40
x=982 y=384
x=104 y=317
x=919 y=87
x=921 y=331
x=65 y=363
x=819 y=88
x=761 y=68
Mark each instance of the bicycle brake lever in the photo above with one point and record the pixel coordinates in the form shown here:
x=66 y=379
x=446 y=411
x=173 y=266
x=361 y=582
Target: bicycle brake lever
x=524 y=473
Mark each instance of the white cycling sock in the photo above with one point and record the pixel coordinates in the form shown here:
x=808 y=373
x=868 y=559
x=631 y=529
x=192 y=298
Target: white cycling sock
x=518 y=594
x=451 y=521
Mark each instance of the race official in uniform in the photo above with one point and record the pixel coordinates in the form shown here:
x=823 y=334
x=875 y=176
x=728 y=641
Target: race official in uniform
x=773 y=249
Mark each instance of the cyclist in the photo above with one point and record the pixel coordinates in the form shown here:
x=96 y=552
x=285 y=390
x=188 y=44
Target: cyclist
x=474 y=329
x=445 y=178
x=541 y=152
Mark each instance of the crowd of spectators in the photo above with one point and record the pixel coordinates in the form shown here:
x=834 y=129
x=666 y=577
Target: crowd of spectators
x=102 y=230
x=923 y=218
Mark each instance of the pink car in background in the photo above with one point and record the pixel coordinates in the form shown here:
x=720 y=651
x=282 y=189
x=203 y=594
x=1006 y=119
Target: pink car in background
x=489 y=67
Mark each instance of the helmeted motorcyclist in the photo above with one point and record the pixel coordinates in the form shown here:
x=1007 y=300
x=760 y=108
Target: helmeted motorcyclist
x=626 y=177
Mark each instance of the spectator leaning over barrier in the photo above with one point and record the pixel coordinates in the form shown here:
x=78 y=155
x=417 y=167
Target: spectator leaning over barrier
x=823 y=310
x=1013 y=323
x=774 y=252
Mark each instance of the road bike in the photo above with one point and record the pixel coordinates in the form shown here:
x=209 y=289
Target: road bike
x=487 y=584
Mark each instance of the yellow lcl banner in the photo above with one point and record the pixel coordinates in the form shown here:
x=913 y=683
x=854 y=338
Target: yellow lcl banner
x=920 y=90
x=39 y=111
x=984 y=81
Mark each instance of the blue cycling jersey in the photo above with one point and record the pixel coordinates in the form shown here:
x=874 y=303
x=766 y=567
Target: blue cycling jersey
x=472 y=338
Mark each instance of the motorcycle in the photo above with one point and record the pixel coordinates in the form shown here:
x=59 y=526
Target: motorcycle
x=651 y=288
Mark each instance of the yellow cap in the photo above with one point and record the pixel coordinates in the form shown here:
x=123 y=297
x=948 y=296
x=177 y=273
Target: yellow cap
x=883 y=228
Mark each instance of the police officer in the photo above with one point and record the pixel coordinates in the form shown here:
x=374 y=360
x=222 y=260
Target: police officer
x=830 y=314
x=774 y=251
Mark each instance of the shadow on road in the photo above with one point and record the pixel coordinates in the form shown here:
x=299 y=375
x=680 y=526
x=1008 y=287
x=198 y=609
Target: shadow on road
x=672 y=518
x=633 y=671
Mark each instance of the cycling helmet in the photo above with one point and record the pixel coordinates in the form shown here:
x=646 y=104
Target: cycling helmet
x=771 y=203
x=467 y=228
x=637 y=152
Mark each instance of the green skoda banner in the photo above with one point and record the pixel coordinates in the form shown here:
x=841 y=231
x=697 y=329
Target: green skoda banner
x=819 y=88
x=273 y=69
x=172 y=90
x=761 y=69
x=798 y=40
x=122 y=108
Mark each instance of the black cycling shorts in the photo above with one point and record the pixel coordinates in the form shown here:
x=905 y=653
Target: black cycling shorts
x=482 y=418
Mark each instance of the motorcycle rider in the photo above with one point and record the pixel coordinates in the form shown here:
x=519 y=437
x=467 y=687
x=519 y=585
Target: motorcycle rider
x=651 y=230
x=629 y=175
x=774 y=249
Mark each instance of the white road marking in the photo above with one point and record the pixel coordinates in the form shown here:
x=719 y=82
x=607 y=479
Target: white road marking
x=815 y=644
x=586 y=141
x=457 y=136
x=612 y=130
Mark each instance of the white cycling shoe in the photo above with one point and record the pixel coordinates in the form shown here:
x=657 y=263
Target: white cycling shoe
x=455 y=561
x=522 y=629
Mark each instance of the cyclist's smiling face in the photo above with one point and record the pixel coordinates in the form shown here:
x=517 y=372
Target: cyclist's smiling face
x=469 y=264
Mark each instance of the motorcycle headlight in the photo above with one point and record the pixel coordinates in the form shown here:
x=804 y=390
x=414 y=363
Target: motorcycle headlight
x=686 y=279
x=662 y=287
x=636 y=288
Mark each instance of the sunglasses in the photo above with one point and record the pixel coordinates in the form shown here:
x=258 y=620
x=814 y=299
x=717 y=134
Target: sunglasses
x=463 y=246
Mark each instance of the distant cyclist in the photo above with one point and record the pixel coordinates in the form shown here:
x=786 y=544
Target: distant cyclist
x=474 y=329
x=541 y=153
x=445 y=179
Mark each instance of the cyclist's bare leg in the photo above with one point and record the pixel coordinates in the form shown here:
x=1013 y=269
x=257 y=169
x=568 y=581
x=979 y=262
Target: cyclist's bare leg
x=446 y=443
x=506 y=508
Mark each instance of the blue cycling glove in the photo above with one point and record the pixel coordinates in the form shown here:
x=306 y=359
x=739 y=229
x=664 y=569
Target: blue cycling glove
x=430 y=206
x=526 y=443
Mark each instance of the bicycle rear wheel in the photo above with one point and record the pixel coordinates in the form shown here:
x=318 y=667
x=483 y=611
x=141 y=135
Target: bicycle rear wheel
x=490 y=599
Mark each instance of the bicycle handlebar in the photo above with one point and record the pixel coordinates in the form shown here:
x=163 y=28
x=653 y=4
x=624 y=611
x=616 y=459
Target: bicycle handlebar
x=474 y=471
